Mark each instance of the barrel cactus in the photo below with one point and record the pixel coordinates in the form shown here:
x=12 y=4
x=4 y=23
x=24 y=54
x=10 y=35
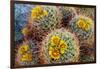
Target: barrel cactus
x=68 y=13
x=47 y=17
x=82 y=27
x=26 y=53
x=61 y=47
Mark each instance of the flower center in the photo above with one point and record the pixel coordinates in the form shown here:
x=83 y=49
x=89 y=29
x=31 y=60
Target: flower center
x=55 y=53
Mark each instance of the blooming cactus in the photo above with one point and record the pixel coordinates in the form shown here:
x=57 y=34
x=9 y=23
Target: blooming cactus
x=47 y=17
x=61 y=46
x=82 y=26
x=26 y=54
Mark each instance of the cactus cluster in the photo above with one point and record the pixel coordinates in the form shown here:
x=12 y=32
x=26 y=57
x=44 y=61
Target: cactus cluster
x=52 y=34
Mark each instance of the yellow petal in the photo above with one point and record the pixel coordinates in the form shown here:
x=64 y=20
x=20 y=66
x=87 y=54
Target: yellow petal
x=86 y=27
x=25 y=31
x=81 y=23
x=45 y=13
x=26 y=57
x=89 y=21
x=50 y=52
x=23 y=49
x=55 y=40
x=38 y=12
x=62 y=51
x=51 y=48
x=62 y=44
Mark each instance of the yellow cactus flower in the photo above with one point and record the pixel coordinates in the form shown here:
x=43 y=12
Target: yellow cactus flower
x=88 y=24
x=38 y=12
x=25 y=31
x=26 y=57
x=56 y=51
x=63 y=46
x=55 y=40
x=55 y=54
x=81 y=23
x=23 y=49
x=85 y=25
x=89 y=21
x=62 y=51
x=50 y=48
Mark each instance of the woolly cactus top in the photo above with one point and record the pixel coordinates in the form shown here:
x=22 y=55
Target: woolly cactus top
x=61 y=47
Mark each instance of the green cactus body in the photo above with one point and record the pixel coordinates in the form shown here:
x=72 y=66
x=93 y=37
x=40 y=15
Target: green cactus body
x=82 y=27
x=65 y=46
